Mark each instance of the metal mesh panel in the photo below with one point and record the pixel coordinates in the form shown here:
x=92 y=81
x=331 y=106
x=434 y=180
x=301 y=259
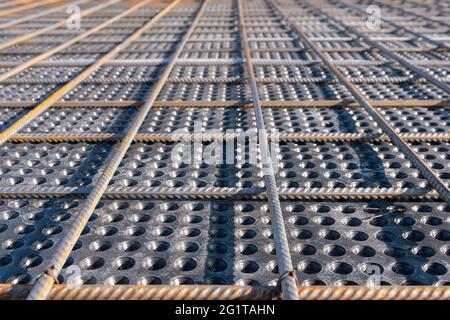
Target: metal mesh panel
x=357 y=122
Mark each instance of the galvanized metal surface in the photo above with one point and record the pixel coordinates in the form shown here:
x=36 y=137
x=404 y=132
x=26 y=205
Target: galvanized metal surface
x=89 y=120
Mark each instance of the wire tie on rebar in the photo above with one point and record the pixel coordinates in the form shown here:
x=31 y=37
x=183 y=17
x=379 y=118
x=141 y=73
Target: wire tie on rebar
x=52 y=273
x=278 y=293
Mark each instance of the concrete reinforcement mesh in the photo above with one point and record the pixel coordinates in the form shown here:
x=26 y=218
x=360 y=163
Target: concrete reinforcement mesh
x=357 y=206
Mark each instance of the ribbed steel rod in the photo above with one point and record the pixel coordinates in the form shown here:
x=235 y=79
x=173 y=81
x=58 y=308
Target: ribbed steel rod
x=288 y=283
x=398 y=27
x=412 y=13
x=58 y=94
x=405 y=104
x=41 y=14
x=27 y=6
x=44 y=283
x=386 y=51
x=227 y=292
x=54 y=26
x=310 y=137
x=13 y=3
x=41 y=57
x=433 y=179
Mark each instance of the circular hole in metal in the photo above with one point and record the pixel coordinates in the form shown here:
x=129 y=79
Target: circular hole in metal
x=402 y=268
x=434 y=268
x=154 y=263
x=128 y=246
x=270 y=249
x=134 y=231
x=192 y=218
x=247 y=249
x=334 y=250
x=309 y=267
x=31 y=261
x=305 y=249
x=123 y=263
x=330 y=234
x=162 y=231
x=181 y=280
x=216 y=265
x=340 y=267
x=166 y=218
x=9 y=215
x=117 y=280
x=215 y=281
x=5 y=260
x=107 y=231
x=12 y=244
x=423 y=251
x=188 y=247
x=158 y=246
x=185 y=264
x=245 y=220
x=190 y=232
x=394 y=252
x=41 y=245
x=217 y=248
x=247 y=266
x=20 y=278
x=358 y=235
x=301 y=234
x=246 y=234
x=313 y=282
x=149 y=280
x=100 y=245
x=92 y=263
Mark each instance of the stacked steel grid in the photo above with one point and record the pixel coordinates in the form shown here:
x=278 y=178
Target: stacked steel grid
x=90 y=117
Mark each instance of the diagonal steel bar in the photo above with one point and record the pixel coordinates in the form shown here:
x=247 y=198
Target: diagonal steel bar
x=41 y=14
x=29 y=5
x=48 y=102
x=413 y=13
x=386 y=51
x=44 y=283
x=399 y=27
x=288 y=283
x=62 y=23
x=64 y=45
x=434 y=180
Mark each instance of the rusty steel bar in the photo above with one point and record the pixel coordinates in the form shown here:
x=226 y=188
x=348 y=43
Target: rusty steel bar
x=399 y=27
x=226 y=292
x=44 y=283
x=386 y=51
x=26 y=64
x=288 y=277
x=307 y=137
x=12 y=3
x=4 y=78
x=218 y=62
x=36 y=33
x=413 y=13
x=234 y=103
x=58 y=94
x=41 y=14
x=29 y=5
x=433 y=179
x=256 y=193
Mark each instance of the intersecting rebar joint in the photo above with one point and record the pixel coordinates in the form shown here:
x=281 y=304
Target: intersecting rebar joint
x=51 y=272
x=278 y=292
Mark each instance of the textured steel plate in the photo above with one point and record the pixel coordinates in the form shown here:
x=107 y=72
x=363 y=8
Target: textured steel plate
x=182 y=233
x=226 y=242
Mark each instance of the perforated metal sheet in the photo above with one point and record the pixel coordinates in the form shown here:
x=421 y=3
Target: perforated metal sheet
x=162 y=221
x=227 y=242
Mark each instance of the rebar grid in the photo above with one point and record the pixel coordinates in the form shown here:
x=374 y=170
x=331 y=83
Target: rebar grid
x=241 y=65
